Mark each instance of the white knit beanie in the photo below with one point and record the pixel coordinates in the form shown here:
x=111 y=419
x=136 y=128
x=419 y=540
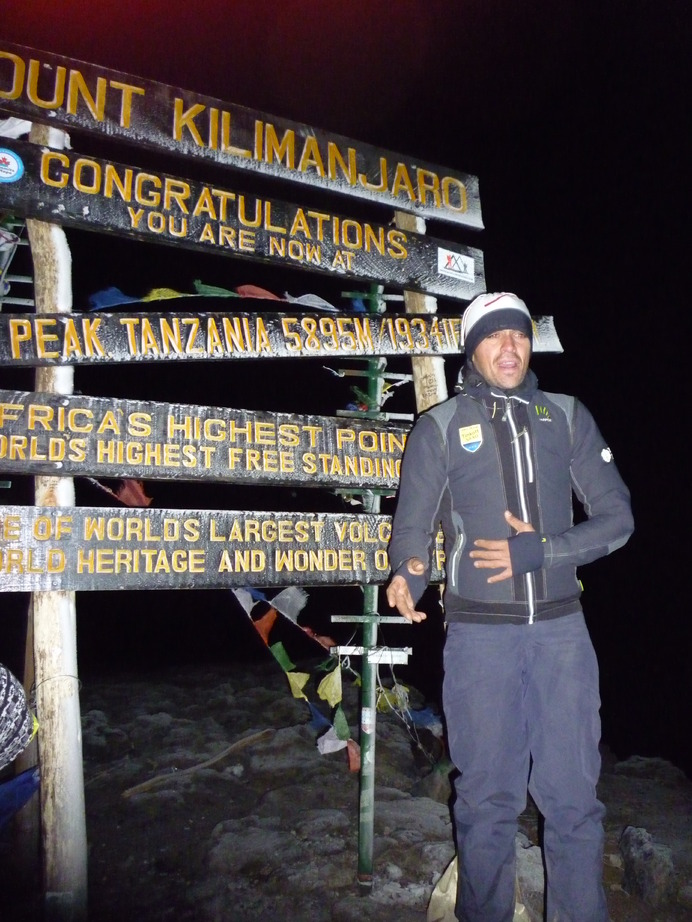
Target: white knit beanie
x=491 y=312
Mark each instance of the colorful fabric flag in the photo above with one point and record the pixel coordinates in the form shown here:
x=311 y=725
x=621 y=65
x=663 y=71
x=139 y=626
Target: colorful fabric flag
x=14 y=127
x=428 y=718
x=265 y=624
x=330 y=689
x=313 y=301
x=245 y=599
x=8 y=240
x=290 y=601
x=341 y=724
x=393 y=699
x=297 y=682
x=330 y=742
x=213 y=291
x=319 y=721
x=322 y=639
x=164 y=294
x=16 y=792
x=253 y=291
x=353 y=750
x=131 y=493
x=282 y=657
x=109 y=297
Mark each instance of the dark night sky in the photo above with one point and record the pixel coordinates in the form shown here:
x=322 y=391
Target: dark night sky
x=574 y=116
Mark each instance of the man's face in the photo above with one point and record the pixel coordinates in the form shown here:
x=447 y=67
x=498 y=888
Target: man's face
x=503 y=358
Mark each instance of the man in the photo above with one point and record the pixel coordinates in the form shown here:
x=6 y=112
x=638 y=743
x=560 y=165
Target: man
x=496 y=466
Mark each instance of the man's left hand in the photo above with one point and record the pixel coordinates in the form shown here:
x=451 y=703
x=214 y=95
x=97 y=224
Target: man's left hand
x=495 y=554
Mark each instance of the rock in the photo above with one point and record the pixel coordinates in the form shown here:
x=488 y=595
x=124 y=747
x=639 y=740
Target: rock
x=100 y=741
x=649 y=871
x=654 y=769
x=685 y=896
x=530 y=877
x=436 y=784
x=271 y=831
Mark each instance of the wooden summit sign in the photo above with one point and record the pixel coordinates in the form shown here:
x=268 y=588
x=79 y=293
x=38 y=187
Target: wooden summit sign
x=63 y=187
x=97 y=338
x=85 y=548
x=43 y=433
x=71 y=94
x=124 y=337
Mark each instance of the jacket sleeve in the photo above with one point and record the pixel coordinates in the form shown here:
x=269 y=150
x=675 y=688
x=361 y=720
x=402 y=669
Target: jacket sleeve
x=416 y=519
x=603 y=494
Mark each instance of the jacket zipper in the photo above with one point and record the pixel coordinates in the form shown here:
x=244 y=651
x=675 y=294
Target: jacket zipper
x=456 y=553
x=529 y=581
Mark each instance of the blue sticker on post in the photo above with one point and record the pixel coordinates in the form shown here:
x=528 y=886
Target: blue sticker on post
x=11 y=167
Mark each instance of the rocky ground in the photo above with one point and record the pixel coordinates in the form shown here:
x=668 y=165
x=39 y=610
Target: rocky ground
x=208 y=801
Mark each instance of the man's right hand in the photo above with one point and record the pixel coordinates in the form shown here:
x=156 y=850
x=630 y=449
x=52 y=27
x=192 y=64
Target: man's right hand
x=399 y=595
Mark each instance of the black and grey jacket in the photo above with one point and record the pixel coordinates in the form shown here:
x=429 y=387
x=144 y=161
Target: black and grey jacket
x=482 y=452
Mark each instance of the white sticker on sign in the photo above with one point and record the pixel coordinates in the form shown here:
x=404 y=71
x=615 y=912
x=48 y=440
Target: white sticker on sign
x=455 y=265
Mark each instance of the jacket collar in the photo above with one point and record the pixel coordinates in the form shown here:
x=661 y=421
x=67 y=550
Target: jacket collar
x=474 y=385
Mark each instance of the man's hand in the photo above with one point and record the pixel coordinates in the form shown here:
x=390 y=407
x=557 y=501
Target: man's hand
x=399 y=596
x=495 y=554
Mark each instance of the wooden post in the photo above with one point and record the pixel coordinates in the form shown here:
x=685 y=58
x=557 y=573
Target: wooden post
x=429 y=380
x=63 y=823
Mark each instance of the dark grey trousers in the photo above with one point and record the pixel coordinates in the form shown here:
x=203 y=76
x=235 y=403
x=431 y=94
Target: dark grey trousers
x=521 y=704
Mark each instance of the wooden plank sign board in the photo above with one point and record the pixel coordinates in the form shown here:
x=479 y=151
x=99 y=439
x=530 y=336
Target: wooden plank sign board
x=92 y=548
x=90 y=193
x=71 y=94
x=75 y=435
x=98 y=338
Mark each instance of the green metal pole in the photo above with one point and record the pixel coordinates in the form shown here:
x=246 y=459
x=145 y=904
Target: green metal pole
x=368 y=710
x=431 y=388
x=368 y=707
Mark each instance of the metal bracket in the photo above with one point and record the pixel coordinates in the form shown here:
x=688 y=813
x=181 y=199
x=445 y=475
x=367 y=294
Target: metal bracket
x=371 y=414
x=376 y=655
